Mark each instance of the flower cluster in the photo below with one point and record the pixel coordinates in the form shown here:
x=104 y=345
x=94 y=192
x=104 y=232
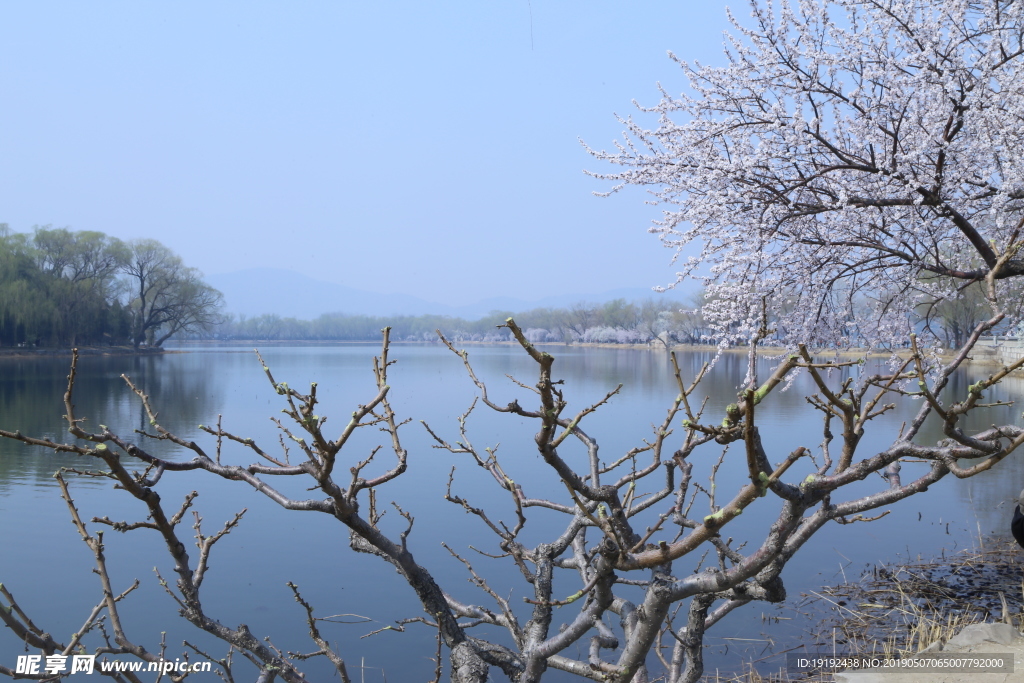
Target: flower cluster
x=853 y=156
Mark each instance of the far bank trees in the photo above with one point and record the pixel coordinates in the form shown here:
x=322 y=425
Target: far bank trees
x=616 y=321
x=63 y=288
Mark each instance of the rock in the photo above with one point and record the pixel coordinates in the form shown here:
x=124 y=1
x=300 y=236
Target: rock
x=874 y=676
x=975 y=634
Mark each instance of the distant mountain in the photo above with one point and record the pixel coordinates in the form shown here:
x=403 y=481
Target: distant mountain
x=256 y=291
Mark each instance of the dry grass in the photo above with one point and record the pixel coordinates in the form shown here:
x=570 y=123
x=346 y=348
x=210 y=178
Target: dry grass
x=899 y=610
x=903 y=609
x=751 y=675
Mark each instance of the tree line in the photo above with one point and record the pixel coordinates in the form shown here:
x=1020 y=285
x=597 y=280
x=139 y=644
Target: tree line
x=663 y=322
x=617 y=321
x=64 y=288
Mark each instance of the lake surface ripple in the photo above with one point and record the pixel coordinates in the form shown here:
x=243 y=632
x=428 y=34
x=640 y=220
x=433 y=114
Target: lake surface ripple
x=47 y=567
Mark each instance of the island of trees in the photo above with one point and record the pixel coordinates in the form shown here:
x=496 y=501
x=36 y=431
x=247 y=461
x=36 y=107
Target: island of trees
x=65 y=288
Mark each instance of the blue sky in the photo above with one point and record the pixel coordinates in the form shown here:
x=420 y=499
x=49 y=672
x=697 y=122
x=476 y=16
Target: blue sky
x=423 y=148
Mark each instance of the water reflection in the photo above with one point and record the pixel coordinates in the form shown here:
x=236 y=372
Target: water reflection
x=31 y=400
x=49 y=569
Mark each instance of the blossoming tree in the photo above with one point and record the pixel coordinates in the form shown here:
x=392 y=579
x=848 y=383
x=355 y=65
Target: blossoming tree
x=850 y=153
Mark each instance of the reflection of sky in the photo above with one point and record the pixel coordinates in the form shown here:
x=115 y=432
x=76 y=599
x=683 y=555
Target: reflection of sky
x=46 y=571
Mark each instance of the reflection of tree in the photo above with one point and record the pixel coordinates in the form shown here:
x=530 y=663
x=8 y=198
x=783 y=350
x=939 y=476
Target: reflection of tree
x=31 y=390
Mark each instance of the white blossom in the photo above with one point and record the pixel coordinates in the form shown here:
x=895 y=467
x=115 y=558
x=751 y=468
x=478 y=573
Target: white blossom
x=852 y=160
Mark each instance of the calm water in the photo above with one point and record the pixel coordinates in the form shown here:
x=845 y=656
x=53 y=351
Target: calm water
x=47 y=567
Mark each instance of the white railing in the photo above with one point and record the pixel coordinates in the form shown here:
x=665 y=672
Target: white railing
x=1004 y=348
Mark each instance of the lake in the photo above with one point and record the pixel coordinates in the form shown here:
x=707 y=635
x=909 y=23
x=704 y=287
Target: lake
x=47 y=567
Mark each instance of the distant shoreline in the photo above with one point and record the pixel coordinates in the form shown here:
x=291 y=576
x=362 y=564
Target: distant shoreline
x=9 y=352
x=639 y=346
x=35 y=352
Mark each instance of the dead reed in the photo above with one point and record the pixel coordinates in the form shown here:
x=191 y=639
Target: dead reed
x=902 y=609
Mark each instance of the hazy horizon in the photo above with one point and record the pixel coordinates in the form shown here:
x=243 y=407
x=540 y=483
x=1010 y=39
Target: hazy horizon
x=258 y=291
x=399 y=148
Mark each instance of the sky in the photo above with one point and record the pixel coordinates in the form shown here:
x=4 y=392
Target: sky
x=401 y=147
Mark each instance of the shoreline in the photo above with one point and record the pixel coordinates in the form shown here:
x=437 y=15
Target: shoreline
x=978 y=358
x=767 y=351
x=15 y=352
x=910 y=606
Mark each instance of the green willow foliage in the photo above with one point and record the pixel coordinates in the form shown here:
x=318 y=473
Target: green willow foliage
x=23 y=300
x=58 y=288
x=64 y=288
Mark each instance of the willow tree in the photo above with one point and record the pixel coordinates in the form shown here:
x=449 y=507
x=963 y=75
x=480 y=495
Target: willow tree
x=81 y=269
x=165 y=296
x=847 y=151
